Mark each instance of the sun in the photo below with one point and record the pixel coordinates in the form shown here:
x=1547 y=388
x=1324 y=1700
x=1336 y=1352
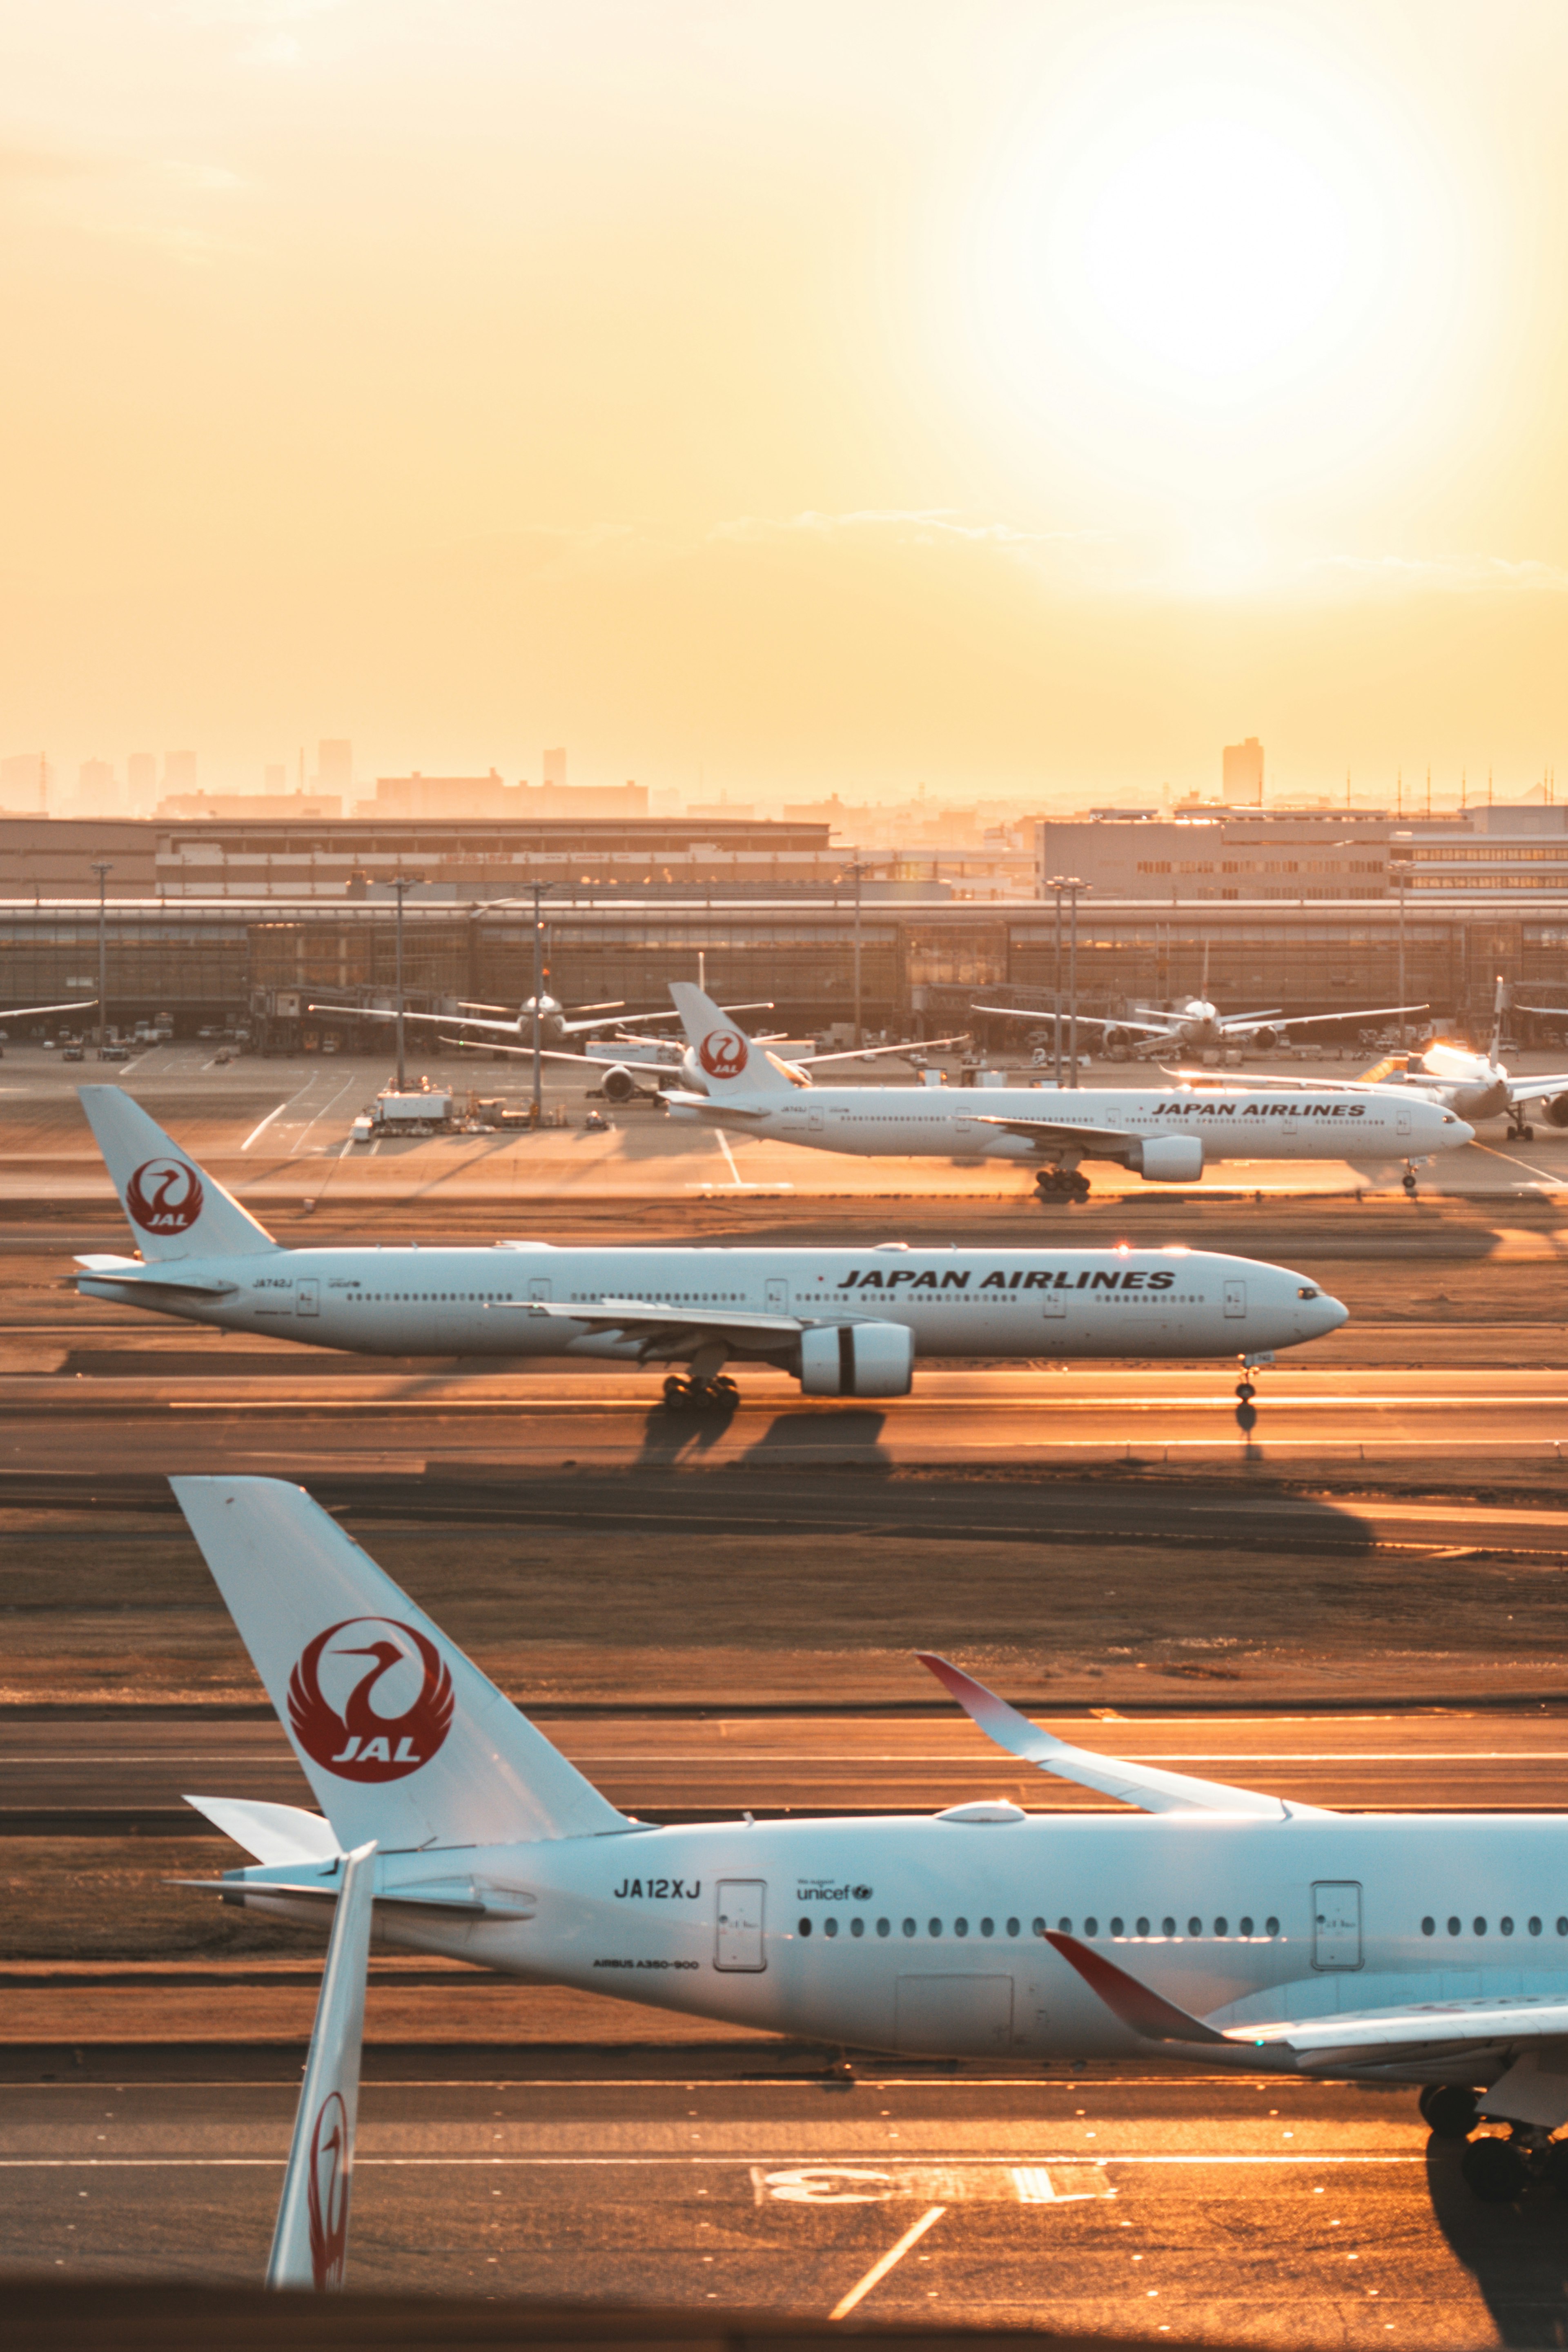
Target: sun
x=1217 y=269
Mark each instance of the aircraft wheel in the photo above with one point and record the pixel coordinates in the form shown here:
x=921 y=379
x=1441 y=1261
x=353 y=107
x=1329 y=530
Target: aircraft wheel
x=1078 y=1187
x=678 y=1395
x=1527 y=1133
x=725 y=1387
x=1409 y=1181
x=1555 y=2166
x=1494 y=2170
x=1246 y=1391
x=1448 y=2110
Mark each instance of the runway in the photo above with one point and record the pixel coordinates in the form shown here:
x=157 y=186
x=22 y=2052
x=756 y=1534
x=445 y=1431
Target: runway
x=1276 y=2213
x=300 y=1423
x=102 y=1775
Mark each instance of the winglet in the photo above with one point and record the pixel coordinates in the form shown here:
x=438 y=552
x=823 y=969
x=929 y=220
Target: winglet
x=995 y=1717
x=1141 y=2010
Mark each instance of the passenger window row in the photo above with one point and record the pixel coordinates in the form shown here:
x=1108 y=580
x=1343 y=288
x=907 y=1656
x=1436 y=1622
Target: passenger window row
x=1478 y=1927
x=1245 y=1928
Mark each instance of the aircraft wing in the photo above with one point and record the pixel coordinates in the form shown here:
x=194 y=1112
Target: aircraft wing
x=1085 y=1019
x=27 y=1012
x=1151 y=1790
x=872 y=1053
x=1547 y=1011
x=1243 y=1024
x=764 y=1004
x=1531 y=1089
x=1093 y=1139
x=376 y=1012
x=1358 y=2038
x=636 y=1317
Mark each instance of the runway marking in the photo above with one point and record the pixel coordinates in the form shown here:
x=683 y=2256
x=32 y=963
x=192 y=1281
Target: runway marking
x=258 y=1131
x=880 y=2270
x=1304 y=2162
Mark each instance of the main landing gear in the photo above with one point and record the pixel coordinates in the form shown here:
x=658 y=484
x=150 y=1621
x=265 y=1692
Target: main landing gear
x=1521 y=1131
x=1056 y=1181
x=1494 y=2170
x=718 y=1395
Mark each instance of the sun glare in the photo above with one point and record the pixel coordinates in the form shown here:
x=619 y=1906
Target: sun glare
x=1216 y=271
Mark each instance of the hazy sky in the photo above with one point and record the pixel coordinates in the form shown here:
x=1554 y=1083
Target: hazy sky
x=1002 y=395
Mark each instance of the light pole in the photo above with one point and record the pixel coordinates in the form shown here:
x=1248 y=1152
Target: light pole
x=1067 y=886
x=1401 y=872
x=104 y=868
x=538 y=1111
x=401 y=884
x=857 y=869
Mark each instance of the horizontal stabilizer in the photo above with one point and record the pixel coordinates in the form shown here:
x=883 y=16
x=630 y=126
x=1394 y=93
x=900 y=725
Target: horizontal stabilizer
x=273 y=1834
x=1132 y=1784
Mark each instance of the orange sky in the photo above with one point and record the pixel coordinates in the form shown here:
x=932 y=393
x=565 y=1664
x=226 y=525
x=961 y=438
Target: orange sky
x=787 y=396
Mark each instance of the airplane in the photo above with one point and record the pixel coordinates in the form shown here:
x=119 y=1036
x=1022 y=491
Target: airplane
x=555 y=1023
x=1474 y=1085
x=1167 y=1135
x=1195 y=1025
x=672 y=1062
x=844 y=1322
x=1211 y=1924
x=35 y=1012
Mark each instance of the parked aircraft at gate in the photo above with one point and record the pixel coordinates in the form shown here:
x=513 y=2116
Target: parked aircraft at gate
x=845 y=1322
x=1166 y=1134
x=1216 y=1924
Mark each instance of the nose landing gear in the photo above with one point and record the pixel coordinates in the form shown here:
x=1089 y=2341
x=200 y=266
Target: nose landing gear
x=1409 y=1181
x=1246 y=1389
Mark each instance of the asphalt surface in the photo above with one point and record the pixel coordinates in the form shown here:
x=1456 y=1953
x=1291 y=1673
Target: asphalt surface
x=289 y=1423
x=99 y=1773
x=1248 y=2212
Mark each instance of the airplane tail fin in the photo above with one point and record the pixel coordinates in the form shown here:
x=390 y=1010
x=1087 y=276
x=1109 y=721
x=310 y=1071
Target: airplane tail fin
x=733 y=1064
x=175 y=1209
x=401 y=1737
x=1499 y=1006
x=311 y=2243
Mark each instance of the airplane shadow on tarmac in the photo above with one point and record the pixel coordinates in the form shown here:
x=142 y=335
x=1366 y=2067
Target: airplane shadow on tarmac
x=1517 y=2254
x=672 y=1438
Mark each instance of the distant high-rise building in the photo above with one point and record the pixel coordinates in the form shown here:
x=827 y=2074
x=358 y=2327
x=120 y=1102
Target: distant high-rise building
x=555 y=768
x=142 y=783
x=1241 y=773
x=335 y=765
x=179 y=771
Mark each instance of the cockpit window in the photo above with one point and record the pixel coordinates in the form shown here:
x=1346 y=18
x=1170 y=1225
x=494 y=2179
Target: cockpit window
x=1306 y=1291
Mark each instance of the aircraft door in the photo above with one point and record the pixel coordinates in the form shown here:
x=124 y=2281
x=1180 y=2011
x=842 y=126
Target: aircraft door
x=307 y=1297
x=814 y=1122
x=1336 y=1924
x=539 y=1289
x=1402 y=1121
x=1054 y=1303
x=777 y=1296
x=737 y=1942
x=1236 y=1299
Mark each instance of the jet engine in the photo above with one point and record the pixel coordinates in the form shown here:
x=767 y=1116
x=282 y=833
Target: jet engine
x=1168 y=1159
x=862 y=1360
x=619 y=1084
x=1555 y=1109
x=1267 y=1039
x=1117 y=1041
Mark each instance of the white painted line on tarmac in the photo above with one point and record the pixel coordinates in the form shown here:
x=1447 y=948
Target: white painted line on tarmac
x=880 y=2270
x=257 y=1132
x=1189 y=2161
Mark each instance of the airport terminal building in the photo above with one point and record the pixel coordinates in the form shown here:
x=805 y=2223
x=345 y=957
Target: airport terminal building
x=1311 y=911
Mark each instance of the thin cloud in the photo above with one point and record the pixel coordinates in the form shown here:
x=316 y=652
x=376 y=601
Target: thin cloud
x=1452 y=575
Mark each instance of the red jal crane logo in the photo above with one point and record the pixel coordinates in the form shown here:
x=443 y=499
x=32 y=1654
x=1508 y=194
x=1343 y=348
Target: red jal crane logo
x=164 y=1196
x=358 y=1743
x=328 y=2193
x=723 y=1053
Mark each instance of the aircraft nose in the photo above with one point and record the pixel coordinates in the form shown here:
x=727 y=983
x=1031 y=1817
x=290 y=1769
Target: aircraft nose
x=1462 y=1134
x=1333 y=1312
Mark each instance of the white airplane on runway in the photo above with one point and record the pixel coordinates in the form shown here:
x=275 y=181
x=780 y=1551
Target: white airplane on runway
x=845 y=1322
x=627 y=1060
x=1214 y=1924
x=1473 y=1085
x=1195 y=1025
x=1166 y=1134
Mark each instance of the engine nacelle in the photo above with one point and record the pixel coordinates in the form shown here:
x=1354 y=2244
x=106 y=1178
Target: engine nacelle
x=1267 y=1039
x=618 y=1085
x=1118 y=1040
x=1555 y=1110
x=862 y=1360
x=1169 y=1159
